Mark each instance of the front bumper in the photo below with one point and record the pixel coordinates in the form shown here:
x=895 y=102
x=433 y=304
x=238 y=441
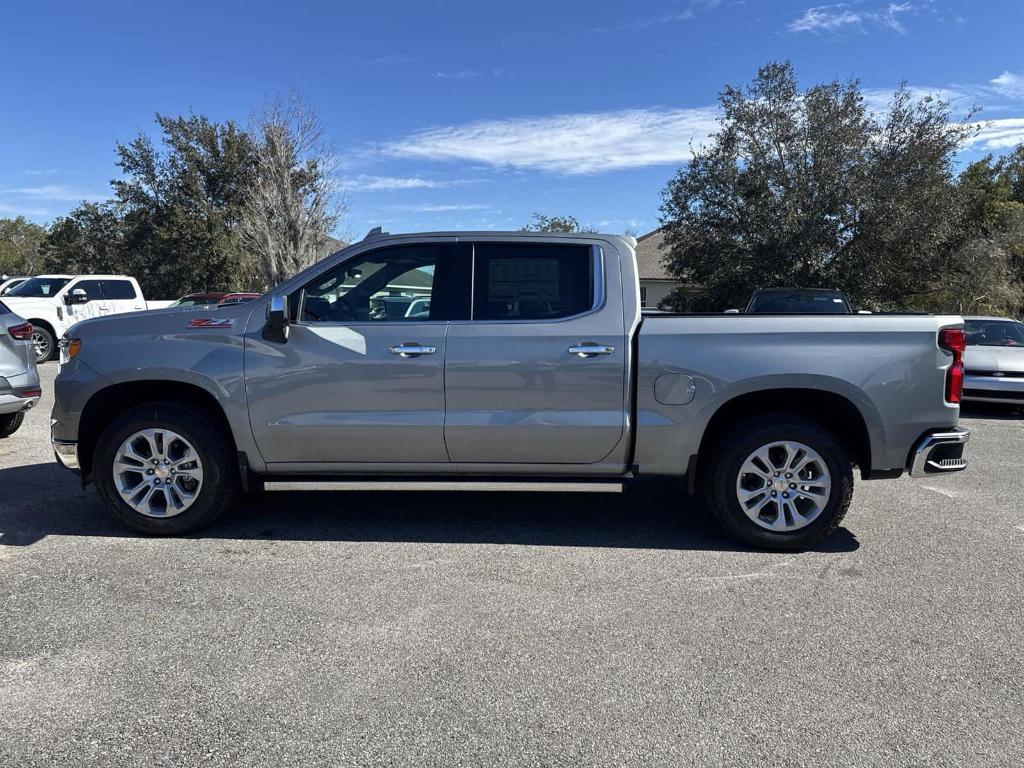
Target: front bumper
x=939 y=452
x=67 y=454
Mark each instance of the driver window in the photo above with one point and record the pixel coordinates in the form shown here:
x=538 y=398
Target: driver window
x=390 y=285
x=91 y=288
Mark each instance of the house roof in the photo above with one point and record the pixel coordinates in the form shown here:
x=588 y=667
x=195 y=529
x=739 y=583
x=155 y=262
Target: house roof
x=649 y=256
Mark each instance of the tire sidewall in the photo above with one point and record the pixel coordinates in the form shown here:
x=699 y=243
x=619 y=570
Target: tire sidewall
x=219 y=477
x=733 y=452
x=10 y=423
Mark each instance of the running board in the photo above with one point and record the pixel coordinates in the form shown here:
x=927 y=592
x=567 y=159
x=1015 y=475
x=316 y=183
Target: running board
x=443 y=485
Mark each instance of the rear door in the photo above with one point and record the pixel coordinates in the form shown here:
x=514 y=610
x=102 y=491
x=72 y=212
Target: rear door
x=122 y=296
x=538 y=374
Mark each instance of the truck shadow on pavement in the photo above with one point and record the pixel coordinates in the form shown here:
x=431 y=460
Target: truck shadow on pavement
x=40 y=500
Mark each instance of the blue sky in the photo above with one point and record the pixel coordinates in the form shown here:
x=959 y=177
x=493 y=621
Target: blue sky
x=468 y=114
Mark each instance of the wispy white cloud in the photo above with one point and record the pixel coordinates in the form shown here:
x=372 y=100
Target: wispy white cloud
x=389 y=60
x=440 y=207
x=55 y=192
x=1003 y=133
x=842 y=16
x=364 y=183
x=571 y=143
x=635 y=25
x=461 y=74
x=1009 y=84
x=12 y=209
x=961 y=98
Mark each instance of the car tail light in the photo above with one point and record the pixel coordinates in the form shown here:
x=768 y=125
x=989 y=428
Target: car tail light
x=22 y=332
x=954 y=341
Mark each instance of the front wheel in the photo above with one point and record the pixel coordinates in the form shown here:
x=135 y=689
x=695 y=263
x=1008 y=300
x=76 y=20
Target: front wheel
x=42 y=343
x=165 y=469
x=780 y=481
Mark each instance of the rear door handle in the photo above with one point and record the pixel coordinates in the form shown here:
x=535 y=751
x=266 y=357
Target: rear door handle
x=412 y=350
x=590 y=350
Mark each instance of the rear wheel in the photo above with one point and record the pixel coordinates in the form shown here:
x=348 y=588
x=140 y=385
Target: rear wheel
x=164 y=469
x=779 y=481
x=42 y=343
x=9 y=423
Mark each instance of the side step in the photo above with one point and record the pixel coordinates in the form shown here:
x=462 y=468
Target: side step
x=444 y=485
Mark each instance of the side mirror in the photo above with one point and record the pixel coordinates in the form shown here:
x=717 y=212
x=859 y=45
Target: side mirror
x=76 y=296
x=276 y=327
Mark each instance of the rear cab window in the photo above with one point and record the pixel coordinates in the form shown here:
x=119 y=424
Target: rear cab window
x=528 y=281
x=118 y=289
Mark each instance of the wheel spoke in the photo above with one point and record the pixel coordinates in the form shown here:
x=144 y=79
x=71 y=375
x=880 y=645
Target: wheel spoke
x=796 y=486
x=149 y=480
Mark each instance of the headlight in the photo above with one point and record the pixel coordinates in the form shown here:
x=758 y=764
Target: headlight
x=69 y=348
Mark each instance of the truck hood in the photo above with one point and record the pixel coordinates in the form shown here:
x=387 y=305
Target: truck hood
x=169 y=321
x=27 y=306
x=994 y=359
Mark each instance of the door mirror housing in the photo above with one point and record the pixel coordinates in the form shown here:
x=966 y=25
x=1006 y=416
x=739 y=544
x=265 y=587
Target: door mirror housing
x=76 y=296
x=276 y=328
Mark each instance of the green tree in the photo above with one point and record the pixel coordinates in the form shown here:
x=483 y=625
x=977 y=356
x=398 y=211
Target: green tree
x=173 y=221
x=544 y=223
x=20 y=240
x=984 y=270
x=809 y=188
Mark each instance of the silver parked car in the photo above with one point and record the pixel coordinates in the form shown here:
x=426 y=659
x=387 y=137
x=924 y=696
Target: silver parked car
x=19 y=381
x=994 y=360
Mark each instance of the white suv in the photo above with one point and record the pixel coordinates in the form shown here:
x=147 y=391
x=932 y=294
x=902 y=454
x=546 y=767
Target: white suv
x=53 y=303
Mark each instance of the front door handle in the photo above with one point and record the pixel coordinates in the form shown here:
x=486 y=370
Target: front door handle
x=411 y=350
x=590 y=350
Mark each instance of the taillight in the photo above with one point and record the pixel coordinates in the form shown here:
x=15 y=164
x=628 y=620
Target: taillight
x=954 y=341
x=22 y=332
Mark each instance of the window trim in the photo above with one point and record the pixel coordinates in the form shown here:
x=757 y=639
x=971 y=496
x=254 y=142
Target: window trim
x=598 y=279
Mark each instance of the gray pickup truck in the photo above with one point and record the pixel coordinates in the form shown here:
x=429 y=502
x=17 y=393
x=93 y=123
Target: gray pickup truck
x=531 y=360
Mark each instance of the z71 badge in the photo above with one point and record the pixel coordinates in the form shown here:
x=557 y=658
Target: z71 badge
x=211 y=322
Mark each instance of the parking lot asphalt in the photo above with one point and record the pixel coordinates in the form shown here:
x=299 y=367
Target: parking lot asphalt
x=356 y=628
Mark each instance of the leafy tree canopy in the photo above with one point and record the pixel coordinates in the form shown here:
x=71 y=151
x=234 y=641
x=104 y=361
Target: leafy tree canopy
x=810 y=188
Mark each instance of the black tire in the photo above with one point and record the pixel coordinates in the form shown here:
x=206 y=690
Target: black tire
x=9 y=423
x=49 y=343
x=739 y=442
x=220 y=472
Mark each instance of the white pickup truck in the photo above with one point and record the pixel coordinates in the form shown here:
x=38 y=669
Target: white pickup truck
x=53 y=303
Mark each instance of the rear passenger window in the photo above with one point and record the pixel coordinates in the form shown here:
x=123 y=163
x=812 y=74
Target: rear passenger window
x=523 y=281
x=118 y=289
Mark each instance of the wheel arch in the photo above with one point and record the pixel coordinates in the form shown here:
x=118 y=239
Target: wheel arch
x=832 y=410
x=116 y=398
x=39 y=322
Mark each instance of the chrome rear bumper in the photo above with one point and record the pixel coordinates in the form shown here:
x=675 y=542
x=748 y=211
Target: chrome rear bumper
x=939 y=452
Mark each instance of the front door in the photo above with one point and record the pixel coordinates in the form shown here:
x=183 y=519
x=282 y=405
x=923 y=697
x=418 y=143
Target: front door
x=361 y=377
x=94 y=306
x=538 y=375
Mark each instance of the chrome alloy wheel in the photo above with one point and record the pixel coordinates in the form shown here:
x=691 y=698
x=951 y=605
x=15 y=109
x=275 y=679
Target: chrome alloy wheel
x=783 y=486
x=158 y=473
x=41 y=346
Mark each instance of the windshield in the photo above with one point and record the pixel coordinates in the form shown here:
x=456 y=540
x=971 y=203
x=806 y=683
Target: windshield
x=799 y=302
x=994 y=333
x=39 y=287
